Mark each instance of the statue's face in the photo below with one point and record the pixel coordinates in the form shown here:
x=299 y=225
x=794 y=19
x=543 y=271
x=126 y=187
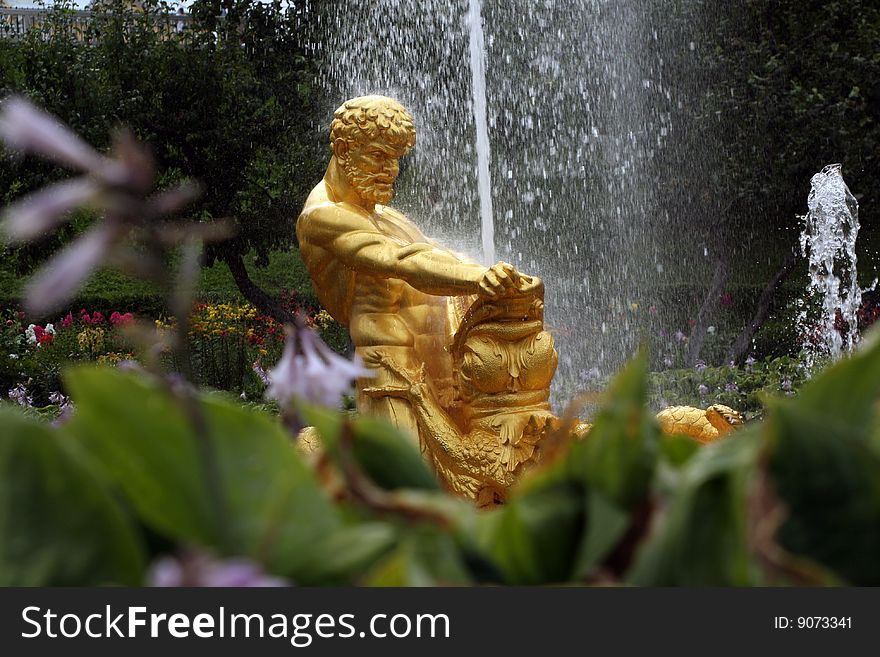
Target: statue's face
x=372 y=168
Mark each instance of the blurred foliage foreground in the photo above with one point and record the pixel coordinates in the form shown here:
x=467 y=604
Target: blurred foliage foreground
x=139 y=473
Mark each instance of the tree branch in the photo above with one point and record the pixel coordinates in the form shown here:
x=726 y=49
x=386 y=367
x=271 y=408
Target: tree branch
x=762 y=309
x=698 y=335
x=252 y=292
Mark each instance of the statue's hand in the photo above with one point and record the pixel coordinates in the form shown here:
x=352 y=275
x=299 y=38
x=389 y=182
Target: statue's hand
x=502 y=279
x=413 y=384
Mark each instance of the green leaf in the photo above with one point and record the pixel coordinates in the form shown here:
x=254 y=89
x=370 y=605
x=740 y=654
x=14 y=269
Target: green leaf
x=59 y=523
x=828 y=479
x=534 y=538
x=678 y=450
x=606 y=525
x=425 y=555
x=618 y=456
x=386 y=455
x=341 y=557
x=702 y=537
x=237 y=486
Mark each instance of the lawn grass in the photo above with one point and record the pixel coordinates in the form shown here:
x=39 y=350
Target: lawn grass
x=108 y=290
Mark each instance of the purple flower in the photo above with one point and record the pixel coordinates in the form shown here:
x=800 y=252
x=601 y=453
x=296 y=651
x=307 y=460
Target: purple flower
x=67 y=271
x=200 y=569
x=679 y=336
x=586 y=377
x=703 y=390
x=667 y=361
x=749 y=362
x=119 y=188
x=731 y=387
x=310 y=370
x=25 y=128
x=44 y=210
x=786 y=384
x=700 y=366
x=59 y=399
x=20 y=395
x=260 y=372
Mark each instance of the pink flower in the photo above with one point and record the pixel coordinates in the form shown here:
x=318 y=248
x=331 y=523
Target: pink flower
x=121 y=320
x=310 y=370
x=67 y=321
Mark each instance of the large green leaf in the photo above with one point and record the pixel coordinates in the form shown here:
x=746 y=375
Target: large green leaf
x=828 y=479
x=826 y=469
x=59 y=523
x=618 y=456
x=702 y=538
x=534 y=538
x=387 y=456
x=236 y=485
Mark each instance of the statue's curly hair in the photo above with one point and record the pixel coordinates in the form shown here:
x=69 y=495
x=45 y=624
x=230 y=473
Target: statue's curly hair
x=365 y=118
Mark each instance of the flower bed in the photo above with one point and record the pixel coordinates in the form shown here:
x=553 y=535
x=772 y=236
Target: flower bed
x=231 y=344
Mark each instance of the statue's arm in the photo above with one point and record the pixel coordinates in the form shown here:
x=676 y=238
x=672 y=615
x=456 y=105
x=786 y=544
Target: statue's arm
x=356 y=242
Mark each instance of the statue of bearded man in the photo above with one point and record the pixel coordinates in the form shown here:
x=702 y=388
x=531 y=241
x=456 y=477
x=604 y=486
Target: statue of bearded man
x=374 y=270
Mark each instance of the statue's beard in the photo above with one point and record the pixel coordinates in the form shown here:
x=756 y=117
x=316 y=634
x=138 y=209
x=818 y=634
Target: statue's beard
x=368 y=186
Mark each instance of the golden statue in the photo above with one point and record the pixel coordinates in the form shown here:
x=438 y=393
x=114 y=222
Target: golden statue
x=373 y=269
x=461 y=356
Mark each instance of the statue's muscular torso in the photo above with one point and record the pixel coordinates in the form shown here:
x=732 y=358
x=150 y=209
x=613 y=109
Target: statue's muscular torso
x=377 y=273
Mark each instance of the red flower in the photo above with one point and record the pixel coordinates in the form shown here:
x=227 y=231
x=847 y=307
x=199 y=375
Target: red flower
x=46 y=338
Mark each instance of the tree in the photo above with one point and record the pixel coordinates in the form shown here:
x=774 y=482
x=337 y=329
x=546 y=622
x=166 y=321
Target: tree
x=228 y=102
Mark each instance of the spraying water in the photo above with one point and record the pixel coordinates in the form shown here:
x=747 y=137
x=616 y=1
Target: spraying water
x=478 y=74
x=828 y=241
x=588 y=164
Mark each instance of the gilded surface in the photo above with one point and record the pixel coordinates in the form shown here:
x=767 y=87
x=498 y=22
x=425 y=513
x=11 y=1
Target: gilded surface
x=705 y=426
x=461 y=358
